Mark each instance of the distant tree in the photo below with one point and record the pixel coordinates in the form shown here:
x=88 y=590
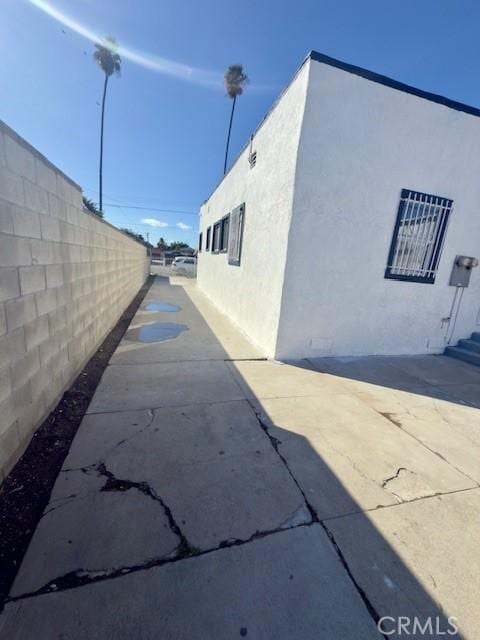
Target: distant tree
x=109 y=62
x=161 y=244
x=92 y=207
x=177 y=245
x=137 y=236
x=235 y=79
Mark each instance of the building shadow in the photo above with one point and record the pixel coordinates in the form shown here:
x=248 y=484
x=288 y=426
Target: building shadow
x=436 y=376
x=391 y=591
x=389 y=588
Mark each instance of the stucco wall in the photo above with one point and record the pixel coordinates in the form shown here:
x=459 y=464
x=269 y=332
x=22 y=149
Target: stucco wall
x=65 y=279
x=361 y=142
x=250 y=293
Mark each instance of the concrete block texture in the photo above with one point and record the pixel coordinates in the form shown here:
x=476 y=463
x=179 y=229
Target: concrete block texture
x=32 y=279
x=19 y=160
x=65 y=278
x=14 y=251
x=11 y=186
x=9 y=284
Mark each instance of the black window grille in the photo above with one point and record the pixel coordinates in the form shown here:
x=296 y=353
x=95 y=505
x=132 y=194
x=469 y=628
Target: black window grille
x=418 y=237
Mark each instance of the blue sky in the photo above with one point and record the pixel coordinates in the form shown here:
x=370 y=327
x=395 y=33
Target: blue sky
x=167 y=115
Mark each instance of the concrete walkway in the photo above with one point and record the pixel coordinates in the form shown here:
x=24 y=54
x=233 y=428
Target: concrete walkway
x=210 y=494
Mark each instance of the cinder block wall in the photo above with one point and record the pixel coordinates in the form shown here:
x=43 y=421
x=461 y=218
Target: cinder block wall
x=65 y=279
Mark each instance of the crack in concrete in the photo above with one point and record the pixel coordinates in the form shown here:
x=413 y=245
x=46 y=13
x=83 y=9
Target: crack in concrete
x=82 y=577
x=275 y=444
x=395 y=476
x=391 y=418
x=301 y=515
x=113 y=483
x=366 y=601
x=314 y=519
x=348 y=459
x=245 y=360
x=397 y=423
x=151 y=413
x=184 y=548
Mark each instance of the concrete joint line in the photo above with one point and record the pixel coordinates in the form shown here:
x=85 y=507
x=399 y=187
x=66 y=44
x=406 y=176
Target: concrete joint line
x=275 y=444
x=394 y=506
x=394 y=420
x=82 y=577
x=366 y=601
x=314 y=518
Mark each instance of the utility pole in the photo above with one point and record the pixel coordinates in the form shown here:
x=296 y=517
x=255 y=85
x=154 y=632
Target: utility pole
x=149 y=248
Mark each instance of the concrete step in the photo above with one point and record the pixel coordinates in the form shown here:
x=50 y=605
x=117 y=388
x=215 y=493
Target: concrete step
x=463 y=354
x=469 y=345
x=476 y=336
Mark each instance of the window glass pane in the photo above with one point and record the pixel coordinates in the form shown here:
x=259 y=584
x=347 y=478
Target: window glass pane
x=216 y=237
x=225 y=225
x=235 y=235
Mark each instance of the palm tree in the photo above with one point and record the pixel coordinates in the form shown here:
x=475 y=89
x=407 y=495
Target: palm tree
x=92 y=207
x=235 y=79
x=109 y=62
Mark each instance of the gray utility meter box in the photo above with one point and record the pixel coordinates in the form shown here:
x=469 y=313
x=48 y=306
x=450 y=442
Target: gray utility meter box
x=462 y=269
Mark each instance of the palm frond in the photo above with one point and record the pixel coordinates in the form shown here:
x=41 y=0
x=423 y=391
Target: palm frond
x=235 y=80
x=106 y=57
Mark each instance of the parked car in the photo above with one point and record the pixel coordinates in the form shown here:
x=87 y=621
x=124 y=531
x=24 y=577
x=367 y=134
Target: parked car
x=184 y=266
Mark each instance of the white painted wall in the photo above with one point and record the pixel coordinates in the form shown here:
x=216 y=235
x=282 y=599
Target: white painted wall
x=251 y=293
x=361 y=142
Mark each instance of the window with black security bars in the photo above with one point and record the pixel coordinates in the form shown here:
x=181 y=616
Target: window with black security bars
x=418 y=237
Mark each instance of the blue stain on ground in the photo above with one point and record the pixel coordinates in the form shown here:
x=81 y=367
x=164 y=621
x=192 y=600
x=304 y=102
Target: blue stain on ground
x=156 y=332
x=162 y=306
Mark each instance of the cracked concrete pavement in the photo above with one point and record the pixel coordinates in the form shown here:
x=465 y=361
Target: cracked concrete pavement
x=212 y=494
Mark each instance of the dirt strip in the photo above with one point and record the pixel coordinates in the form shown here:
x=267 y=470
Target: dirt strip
x=26 y=491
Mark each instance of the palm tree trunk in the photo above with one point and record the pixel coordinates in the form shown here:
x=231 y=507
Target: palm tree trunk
x=100 y=172
x=228 y=136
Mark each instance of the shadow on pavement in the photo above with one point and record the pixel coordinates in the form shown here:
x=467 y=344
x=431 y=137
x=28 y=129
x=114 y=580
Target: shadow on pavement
x=286 y=435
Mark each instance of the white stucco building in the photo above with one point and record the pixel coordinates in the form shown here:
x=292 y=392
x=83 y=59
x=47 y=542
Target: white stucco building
x=336 y=229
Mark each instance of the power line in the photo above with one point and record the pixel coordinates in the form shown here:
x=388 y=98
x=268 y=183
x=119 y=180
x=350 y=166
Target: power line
x=142 y=224
x=128 y=206
x=117 y=204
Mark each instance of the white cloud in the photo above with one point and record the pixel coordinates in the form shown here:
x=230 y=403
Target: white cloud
x=183 y=226
x=153 y=222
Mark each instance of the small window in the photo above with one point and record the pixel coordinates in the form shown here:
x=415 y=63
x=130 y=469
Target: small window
x=252 y=159
x=216 y=237
x=418 y=237
x=207 y=240
x=224 y=233
x=236 y=235
x=200 y=240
